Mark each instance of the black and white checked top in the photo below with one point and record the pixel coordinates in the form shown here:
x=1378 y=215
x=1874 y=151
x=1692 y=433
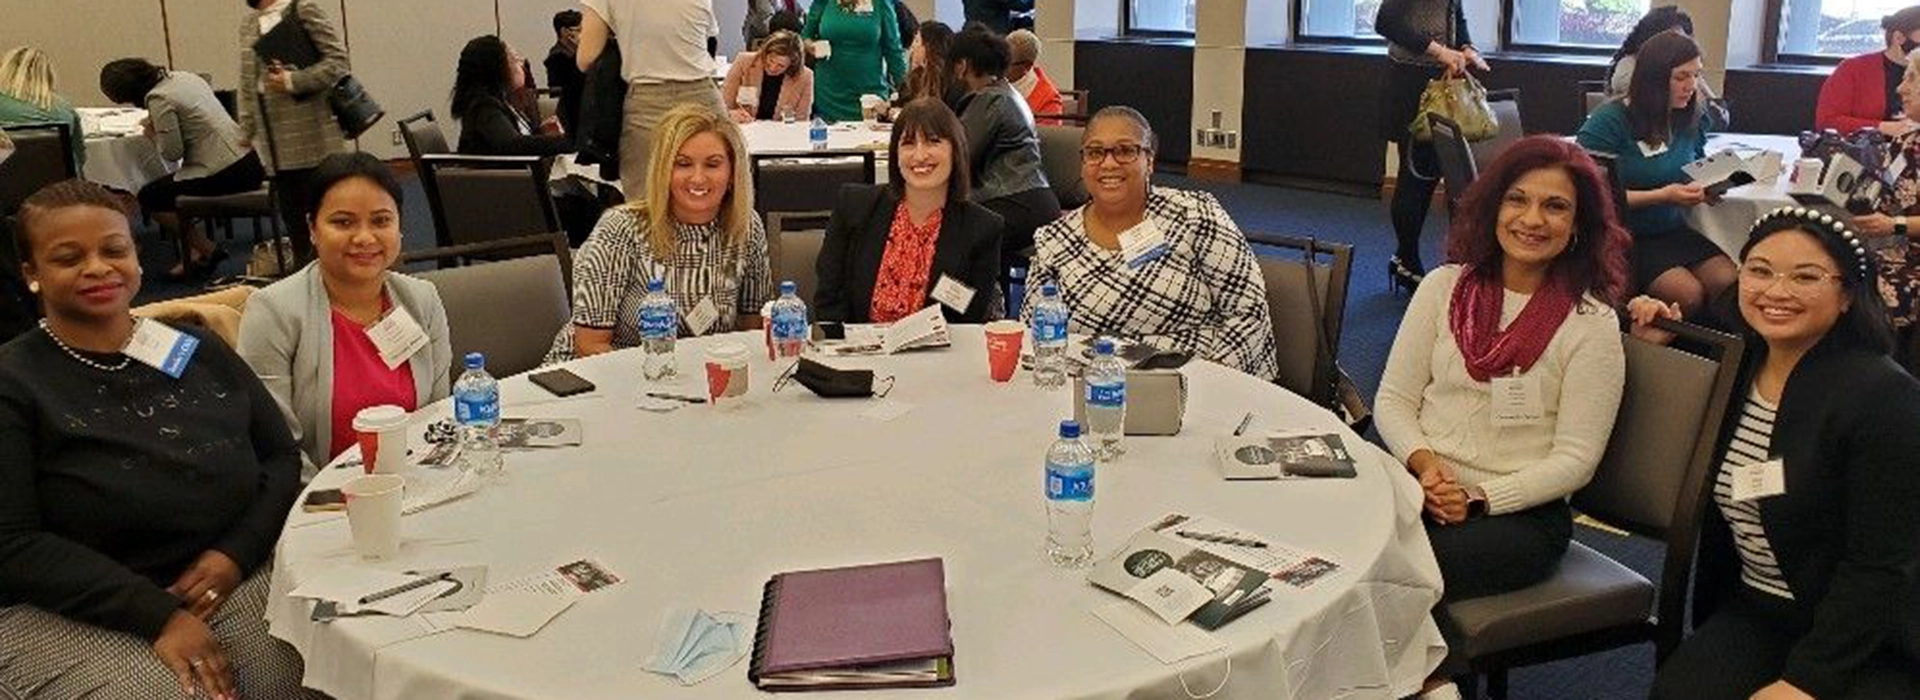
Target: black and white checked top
x=1751 y=440
x=1205 y=296
x=611 y=270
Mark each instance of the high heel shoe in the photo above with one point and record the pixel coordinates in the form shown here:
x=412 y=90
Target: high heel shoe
x=1401 y=276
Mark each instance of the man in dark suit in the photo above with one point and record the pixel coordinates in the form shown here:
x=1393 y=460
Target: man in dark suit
x=562 y=74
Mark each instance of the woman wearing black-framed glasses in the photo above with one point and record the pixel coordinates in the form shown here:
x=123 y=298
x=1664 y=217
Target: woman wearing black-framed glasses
x=1167 y=267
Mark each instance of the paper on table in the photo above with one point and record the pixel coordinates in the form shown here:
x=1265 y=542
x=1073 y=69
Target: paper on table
x=1169 y=644
x=1296 y=567
x=572 y=578
x=516 y=613
x=926 y=327
x=345 y=584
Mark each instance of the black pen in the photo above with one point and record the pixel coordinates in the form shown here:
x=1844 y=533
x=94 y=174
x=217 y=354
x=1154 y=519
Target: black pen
x=402 y=588
x=675 y=397
x=1221 y=539
x=1244 y=422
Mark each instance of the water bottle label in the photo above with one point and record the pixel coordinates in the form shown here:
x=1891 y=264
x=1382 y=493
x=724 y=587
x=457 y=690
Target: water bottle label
x=657 y=323
x=1107 y=395
x=790 y=325
x=1048 y=329
x=476 y=409
x=1069 y=483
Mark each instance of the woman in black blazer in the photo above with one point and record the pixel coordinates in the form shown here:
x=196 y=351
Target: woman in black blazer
x=1808 y=588
x=892 y=250
x=488 y=73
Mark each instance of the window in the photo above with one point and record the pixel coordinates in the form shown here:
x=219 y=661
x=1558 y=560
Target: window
x=1337 y=20
x=1591 y=25
x=1820 y=29
x=1161 y=17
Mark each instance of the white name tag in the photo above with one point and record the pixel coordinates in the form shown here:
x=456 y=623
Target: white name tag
x=749 y=96
x=1760 y=480
x=1142 y=244
x=952 y=292
x=1517 y=401
x=1651 y=149
x=702 y=317
x=863 y=6
x=161 y=347
x=397 y=337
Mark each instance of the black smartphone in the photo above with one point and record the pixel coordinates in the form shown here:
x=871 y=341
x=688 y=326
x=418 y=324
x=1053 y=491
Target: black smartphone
x=561 y=382
x=1738 y=178
x=324 y=500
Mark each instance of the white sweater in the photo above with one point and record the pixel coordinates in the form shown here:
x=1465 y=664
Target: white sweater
x=1428 y=401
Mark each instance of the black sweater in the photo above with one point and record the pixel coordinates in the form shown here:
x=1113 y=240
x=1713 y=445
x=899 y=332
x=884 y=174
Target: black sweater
x=1847 y=531
x=112 y=483
x=492 y=128
x=1412 y=24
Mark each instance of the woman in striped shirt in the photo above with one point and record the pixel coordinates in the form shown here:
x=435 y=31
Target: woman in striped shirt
x=1807 y=576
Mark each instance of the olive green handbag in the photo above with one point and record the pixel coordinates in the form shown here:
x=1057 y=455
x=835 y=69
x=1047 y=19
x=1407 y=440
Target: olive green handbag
x=1461 y=99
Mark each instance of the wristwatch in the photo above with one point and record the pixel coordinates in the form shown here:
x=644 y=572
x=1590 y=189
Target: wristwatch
x=1476 y=502
x=1900 y=226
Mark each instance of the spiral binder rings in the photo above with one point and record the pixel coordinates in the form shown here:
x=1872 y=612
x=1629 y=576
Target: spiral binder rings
x=870 y=626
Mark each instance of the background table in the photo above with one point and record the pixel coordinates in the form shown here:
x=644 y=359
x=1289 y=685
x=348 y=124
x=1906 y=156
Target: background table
x=700 y=506
x=1727 y=223
x=119 y=155
x=767 y=137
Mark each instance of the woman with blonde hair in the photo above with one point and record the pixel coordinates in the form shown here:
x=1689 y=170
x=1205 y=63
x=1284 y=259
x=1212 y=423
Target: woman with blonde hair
x=771 y=83
x=27 y=96
x=693 y=226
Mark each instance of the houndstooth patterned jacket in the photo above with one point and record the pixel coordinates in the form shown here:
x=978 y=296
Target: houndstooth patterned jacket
x=1204 y=296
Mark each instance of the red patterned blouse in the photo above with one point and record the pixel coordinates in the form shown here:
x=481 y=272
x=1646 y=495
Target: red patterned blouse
x=901 y=287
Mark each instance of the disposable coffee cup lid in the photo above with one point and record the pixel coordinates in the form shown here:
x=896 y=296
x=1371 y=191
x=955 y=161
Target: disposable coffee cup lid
x=374 y=419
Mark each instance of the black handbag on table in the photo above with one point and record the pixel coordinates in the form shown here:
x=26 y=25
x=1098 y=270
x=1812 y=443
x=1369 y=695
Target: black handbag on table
x=289 y=43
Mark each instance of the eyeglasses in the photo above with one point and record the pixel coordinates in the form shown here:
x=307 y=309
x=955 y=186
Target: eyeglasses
x=1756 y=278
x=1123 y=153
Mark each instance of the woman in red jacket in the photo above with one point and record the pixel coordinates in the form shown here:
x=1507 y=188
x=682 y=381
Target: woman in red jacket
x=1861 y=92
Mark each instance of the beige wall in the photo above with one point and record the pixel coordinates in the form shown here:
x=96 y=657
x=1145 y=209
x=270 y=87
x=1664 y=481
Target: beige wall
x=80 y=41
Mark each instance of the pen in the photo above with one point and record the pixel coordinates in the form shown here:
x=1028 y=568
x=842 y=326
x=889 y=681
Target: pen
x=402 y=588
x=1221 y=539
x=1244 y=422
x=675 y=397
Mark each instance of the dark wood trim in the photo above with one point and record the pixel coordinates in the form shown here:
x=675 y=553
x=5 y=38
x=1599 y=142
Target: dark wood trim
x=1214 y=170
x=1770 y=31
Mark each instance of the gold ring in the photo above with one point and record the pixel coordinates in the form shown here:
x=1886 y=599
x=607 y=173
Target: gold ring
x=196 y=663
x=212 y=594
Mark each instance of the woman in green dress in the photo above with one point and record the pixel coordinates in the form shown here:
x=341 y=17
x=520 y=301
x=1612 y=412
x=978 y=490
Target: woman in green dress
x=863 y=55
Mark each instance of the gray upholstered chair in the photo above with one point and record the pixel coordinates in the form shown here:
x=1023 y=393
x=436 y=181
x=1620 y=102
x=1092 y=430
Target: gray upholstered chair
x=1593 y=93
x=1303 y=316
x=476 y=199
x=1456 y=158
x=807 y=182
x=1060 y=160
x=1653 y=481
x=793 y=243
x=42 y=155
x=509 y=309
x=1506 y=110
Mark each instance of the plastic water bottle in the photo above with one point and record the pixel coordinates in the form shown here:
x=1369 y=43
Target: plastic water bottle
x=476 y=407
x=1106 y=401
x=1049 y=339
x=818 y=134
x=1069 y=490
x=789 y=323
x=659 y=326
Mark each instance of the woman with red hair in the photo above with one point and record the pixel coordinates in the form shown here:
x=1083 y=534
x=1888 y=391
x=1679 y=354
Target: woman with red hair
x=1502 y=385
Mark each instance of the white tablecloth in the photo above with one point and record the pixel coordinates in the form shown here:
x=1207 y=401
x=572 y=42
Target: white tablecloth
x=774 y=137
x=1727 y=223
x=119 y=155
x=699 y=507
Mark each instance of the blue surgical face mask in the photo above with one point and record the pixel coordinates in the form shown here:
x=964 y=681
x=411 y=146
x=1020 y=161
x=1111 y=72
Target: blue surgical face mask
x=695 y=645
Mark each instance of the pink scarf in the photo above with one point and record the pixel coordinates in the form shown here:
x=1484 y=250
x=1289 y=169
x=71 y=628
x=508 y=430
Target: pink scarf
x=1475 y=321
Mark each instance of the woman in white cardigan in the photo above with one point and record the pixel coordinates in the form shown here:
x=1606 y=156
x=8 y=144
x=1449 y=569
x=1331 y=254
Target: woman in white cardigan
x=1505 y=376
x=345 y=333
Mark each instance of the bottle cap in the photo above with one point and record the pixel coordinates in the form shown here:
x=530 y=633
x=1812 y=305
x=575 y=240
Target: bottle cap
x=656 y=285
x=476 y=360
x=1049 y=290
x=1069 y=429
x=788 y=287
x=1103 y=346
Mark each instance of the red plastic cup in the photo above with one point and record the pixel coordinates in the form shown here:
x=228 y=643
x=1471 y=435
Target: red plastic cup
x=1003 y=348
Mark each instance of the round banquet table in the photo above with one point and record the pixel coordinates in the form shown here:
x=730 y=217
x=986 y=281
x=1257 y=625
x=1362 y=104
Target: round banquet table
x=700 y=506
x=1727 y=222
x=119 y=155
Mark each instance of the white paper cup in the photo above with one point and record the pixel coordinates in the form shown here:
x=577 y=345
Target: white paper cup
x=1805 y=176
x=382 y=432
x=822 y=49
x=727 y=374
x=373 y=513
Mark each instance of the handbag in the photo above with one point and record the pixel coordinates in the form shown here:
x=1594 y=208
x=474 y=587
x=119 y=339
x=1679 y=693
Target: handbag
x=289 y=43
x=1462 y=100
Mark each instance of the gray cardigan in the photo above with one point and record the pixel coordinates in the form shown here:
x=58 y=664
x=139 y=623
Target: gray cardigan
x=190 y=126
x=286 y=335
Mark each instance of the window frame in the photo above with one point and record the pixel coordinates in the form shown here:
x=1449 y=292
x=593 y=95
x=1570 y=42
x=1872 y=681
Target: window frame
x=1127 y=28
x=1508 y=43
x=1770 y=53
x=1298 y=18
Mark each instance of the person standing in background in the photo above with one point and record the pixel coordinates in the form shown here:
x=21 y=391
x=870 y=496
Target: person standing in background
x=1425 y=40
x=998 y=15
x=858 y=46
x=761 y=15
x=664 y=58
x=1863 y=91
x=282 y=111
x=563 y=71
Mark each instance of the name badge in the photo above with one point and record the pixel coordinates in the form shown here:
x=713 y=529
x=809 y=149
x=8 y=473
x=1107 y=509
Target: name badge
x=1760 y=480
x=952 y=292
x=1517 y=401
x=863 y=6
x=397 y=337
x=161 y=347
x=1143 y=244
x=702 y=317
x=1650 y=149
x=749 y=96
